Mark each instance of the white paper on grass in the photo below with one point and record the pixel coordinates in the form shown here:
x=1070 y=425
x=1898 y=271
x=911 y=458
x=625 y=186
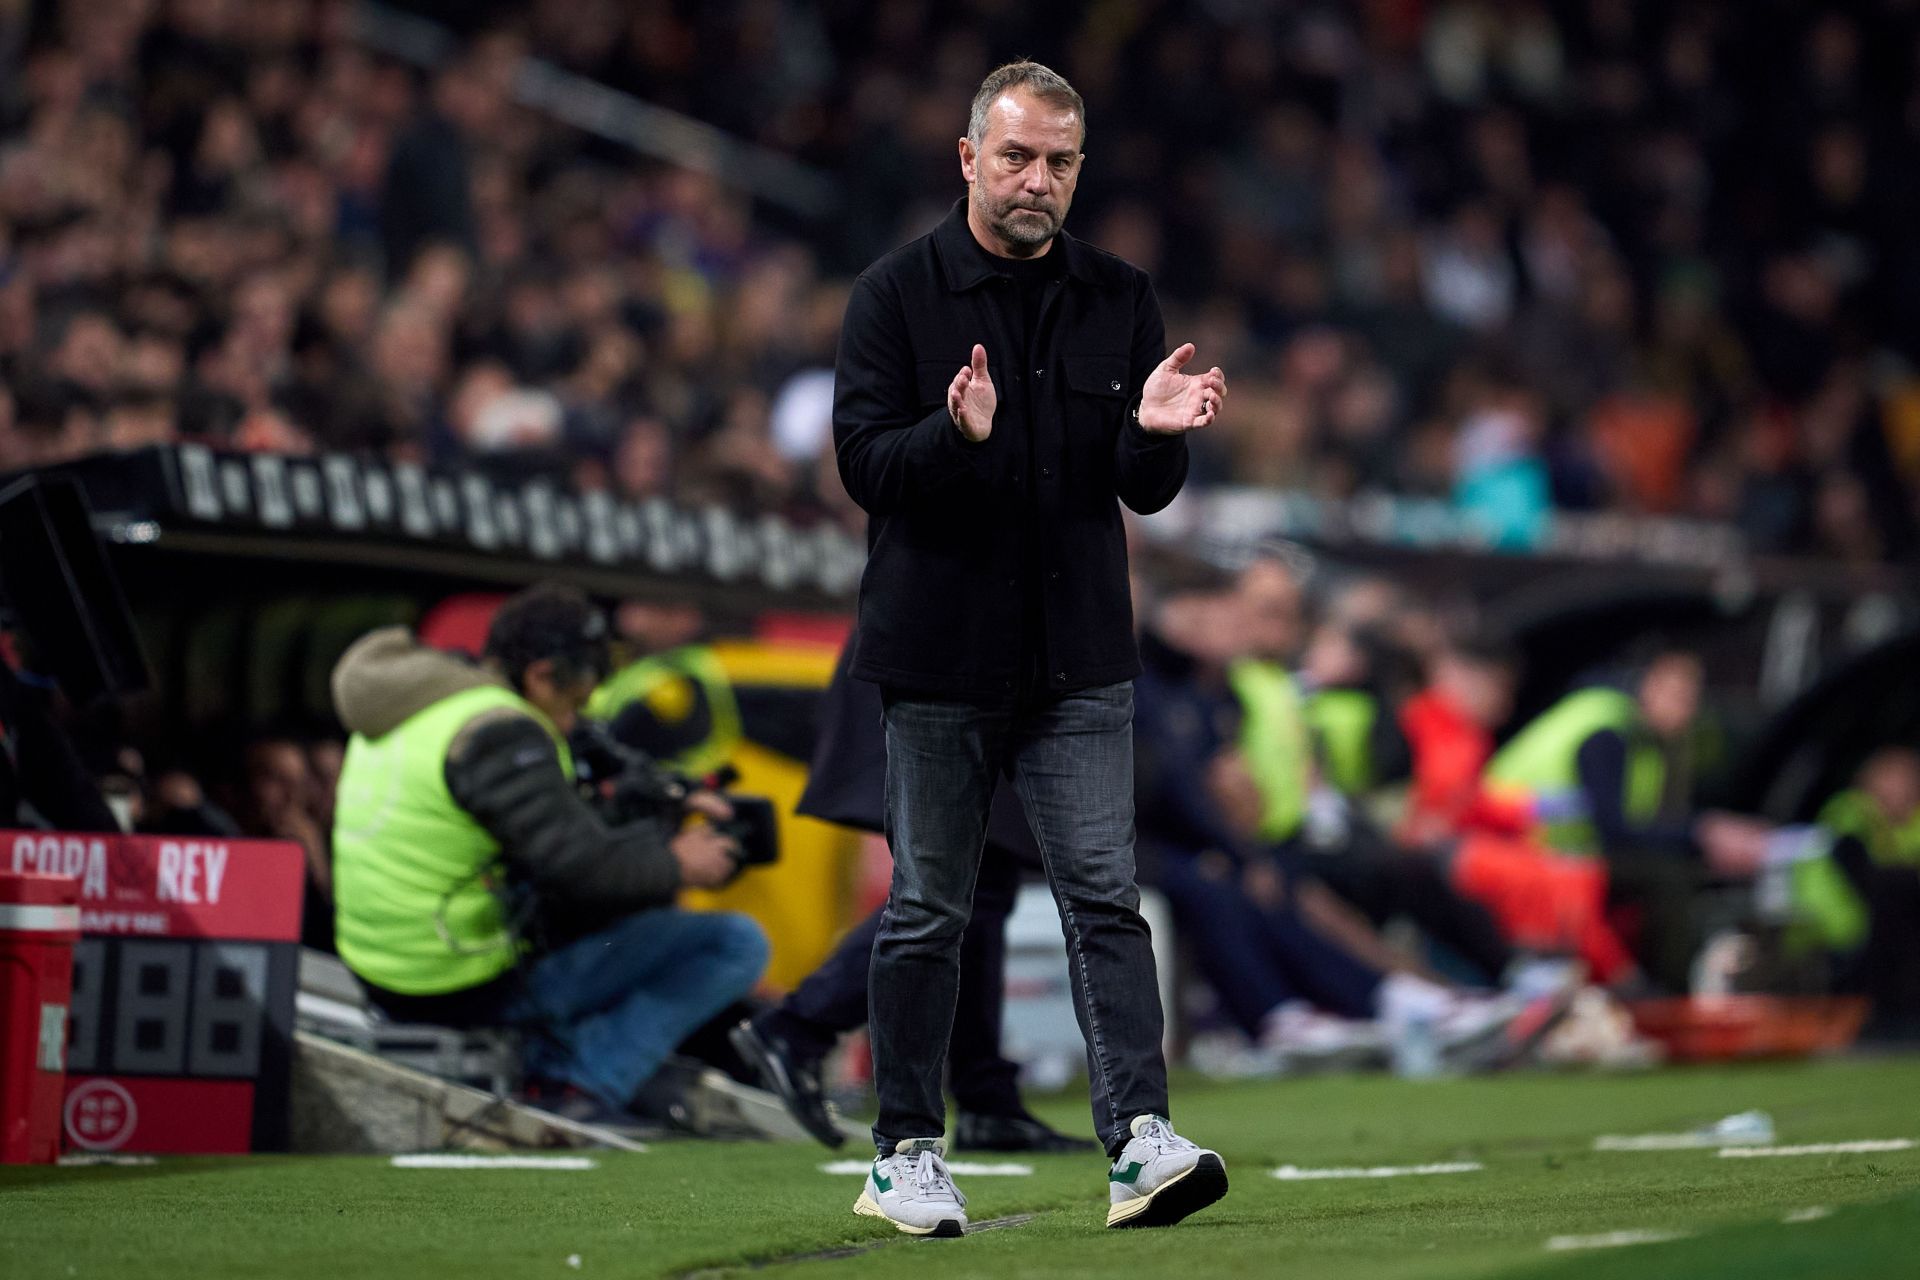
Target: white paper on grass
x=1744 y=1129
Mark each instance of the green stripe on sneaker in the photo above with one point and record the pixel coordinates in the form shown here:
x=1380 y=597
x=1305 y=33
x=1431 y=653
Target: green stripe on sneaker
x=1126 y=1175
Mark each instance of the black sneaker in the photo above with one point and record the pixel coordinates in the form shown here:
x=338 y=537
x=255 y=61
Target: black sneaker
x=976 y=1132
x=793 y=1079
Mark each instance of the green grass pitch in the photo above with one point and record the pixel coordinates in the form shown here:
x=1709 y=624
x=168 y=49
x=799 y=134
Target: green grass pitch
x=726 y=1210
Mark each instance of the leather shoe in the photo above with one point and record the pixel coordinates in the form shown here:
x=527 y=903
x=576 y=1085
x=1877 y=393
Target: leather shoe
x=794 y=1079
x=1012 y=1133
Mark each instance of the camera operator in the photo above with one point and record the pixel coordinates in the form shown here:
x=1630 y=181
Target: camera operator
x=457 y=786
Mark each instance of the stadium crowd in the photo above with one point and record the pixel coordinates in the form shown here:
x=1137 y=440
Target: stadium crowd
x=1526 y=256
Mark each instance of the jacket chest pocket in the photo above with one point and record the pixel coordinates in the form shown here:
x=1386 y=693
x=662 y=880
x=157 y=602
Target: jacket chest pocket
x=1097 y=390
x=931 y=378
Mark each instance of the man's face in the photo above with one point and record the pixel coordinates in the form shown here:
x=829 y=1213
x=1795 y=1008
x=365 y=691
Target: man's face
x=1270 y=596
x=279 y=776
x=1670 y=694
x=1892 y=778
x=1484 y=690
x=557 y=692
x=1024 y=171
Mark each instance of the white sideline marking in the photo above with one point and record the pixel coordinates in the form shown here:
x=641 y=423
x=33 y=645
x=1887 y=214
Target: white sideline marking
x=1665 y=1142
x=1813 y=1213
x=1655 y=1141
x=1861 y=1147
x=1293 y=1173
x=1612 y=1240
x=963 y=1168
x=81 y=1159
x=571 y=1164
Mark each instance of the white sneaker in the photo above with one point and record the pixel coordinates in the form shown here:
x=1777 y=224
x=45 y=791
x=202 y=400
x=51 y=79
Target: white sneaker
x=1534 y=976
x=912 y=1189
x=1160 y=1177
x=1299 y=1038
x=1473 y=1034
x=1469 y=1032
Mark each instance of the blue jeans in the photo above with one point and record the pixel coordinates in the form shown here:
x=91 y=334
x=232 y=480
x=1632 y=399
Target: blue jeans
x=833 y=999
x=608 y=1009
x=1257 y=958
x=1071 y=760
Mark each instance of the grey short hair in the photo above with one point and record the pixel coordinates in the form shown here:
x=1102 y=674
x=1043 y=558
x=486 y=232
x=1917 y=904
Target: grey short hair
x=1042 y=82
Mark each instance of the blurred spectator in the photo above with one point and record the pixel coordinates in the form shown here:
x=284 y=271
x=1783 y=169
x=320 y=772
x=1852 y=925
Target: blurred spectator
x=1682 y=228
x=282 y=800
x=176 y=804
x=1875 y=825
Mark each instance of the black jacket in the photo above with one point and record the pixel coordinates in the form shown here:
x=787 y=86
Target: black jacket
x=847 y=782
x=940 y=604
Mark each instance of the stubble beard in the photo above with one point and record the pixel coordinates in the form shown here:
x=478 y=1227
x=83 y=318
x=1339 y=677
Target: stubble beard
x=1029 y=230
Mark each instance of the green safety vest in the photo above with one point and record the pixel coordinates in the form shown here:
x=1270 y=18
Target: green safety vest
x=1543 y=759
x=1828 y=911
x=1342 y=721
x=653 y=680
x=1273 y=739
x=414 y=875
x=1853 y=813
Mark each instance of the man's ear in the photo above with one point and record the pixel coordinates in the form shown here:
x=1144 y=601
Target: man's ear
x=968 y=159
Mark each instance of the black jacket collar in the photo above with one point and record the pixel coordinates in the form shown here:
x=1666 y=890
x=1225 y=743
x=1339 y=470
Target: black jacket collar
x=965 y=263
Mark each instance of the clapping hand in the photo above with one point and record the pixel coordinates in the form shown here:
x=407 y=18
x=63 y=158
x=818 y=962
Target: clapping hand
x=1173 y=402
x=971 y=399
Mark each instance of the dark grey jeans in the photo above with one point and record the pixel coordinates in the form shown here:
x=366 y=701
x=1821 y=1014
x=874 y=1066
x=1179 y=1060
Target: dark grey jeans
x=1071 y=760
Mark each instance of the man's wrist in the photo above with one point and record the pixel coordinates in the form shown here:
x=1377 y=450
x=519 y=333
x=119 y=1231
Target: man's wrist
x=1133 y=416
x=960 y=429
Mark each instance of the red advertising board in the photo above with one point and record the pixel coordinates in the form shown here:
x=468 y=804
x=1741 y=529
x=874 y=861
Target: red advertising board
x=171 y=886
x=181 y=1024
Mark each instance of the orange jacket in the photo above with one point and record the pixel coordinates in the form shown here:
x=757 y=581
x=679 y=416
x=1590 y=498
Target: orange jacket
x=1450 y=755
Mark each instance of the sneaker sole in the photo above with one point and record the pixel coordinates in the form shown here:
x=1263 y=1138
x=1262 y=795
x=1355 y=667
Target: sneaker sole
x=945 y=1229
x=1535 y=1023
x=1186 y=1194
x=1506 y=1044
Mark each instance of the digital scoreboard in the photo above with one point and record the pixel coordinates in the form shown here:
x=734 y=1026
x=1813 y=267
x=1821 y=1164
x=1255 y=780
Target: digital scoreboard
x=180 y=1030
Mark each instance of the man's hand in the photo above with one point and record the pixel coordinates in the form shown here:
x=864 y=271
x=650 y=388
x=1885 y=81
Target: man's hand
x=1173 y=402
x=1265 y=884
x=1735 y=847
x=711 y=803
x=707 y=859
x=971 y=399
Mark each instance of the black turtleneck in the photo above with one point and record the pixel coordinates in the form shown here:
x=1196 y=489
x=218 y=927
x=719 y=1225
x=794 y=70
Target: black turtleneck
x=1030 y=278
